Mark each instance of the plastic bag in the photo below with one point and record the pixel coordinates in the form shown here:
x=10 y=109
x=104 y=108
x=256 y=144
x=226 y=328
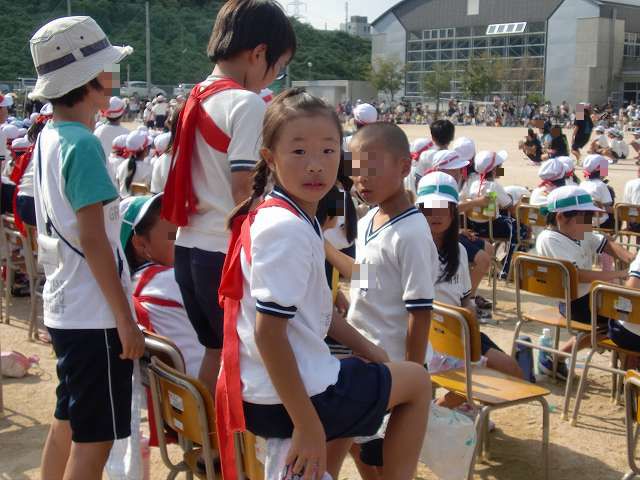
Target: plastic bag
x=15 y=364
x=125 y=459
x=449 y=443
x=275 y=468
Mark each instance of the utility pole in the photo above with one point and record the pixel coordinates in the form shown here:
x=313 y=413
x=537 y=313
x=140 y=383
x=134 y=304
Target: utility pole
x=346 y=17
x=148 y=35
x=68 y=8
x=297 y=7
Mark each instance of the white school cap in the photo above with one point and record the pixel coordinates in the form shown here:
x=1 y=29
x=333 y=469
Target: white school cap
x=486 y=161
x=22 y=132
x=553 y=169
x=611 y=131
x=516 y=192
x=425 y=162
x=437 y=190
x=161 y=142
x=568 y=163
x=6 y=100
x=20 y=144
x=137 y=140
x=26 y=123
x=599 y=129
x=116 y=108
x=465 y=147
x=47 y=109
x=70 y=52
x=448 y=160
x=33 y=117
x=568 y=198
x=11 y=131
x=365 y=114
x=418 y=146
x=119 y=142
x=595 y=162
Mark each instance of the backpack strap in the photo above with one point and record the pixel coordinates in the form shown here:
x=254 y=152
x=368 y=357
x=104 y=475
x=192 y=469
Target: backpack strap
x=229 y=409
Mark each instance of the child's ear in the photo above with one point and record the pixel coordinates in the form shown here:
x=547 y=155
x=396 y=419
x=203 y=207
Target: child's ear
x=267 y=156
x=406 y=166
x=139 y=244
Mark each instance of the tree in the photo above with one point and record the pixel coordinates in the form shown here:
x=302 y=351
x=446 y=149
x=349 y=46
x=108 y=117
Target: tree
x=482 y=76
x=387 y=75
x=436 y=82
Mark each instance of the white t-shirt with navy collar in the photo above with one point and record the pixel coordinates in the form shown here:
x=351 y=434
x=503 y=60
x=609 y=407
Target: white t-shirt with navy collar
x=553 y=244
x=398 y=264
x=458 y=287
x=286 y=278
x=632 y=192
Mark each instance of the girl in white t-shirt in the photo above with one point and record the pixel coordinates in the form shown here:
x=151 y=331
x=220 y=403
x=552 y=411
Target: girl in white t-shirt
x=438 y=201
x=275 y=280
x=596 y=168
x=136 y=169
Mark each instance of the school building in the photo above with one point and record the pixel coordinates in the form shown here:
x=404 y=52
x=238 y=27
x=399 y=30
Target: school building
x=574 y=50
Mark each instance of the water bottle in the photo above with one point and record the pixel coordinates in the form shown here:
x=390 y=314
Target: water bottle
x=490 y=209
x=546 y=340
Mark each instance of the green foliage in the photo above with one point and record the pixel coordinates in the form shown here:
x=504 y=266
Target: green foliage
x=482 y=76
x=387 y=75
x=180 y=31
x=437 y=81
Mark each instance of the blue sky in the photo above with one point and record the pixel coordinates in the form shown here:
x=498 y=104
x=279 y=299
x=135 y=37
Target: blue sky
x=331 y=12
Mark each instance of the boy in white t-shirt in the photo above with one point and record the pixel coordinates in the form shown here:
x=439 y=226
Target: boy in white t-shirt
x=87 y=288
x=600 y=143
x=570 y=237
x=625 y=334
x=596 y=168
x=111 y=129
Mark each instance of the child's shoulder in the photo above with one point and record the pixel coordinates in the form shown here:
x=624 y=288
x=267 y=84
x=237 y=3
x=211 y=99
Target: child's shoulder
x=282 y=220
x=74 y=134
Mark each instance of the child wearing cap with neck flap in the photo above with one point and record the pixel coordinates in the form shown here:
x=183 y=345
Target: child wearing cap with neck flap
x=363 y=114
x=596 y=168
x=552 y=174
x=438 y=201
x=569 y=236
x=136 y=169
x=109 y=130
x=87 y=289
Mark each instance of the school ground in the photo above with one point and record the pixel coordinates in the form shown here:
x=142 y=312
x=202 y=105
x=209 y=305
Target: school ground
x=594 y=449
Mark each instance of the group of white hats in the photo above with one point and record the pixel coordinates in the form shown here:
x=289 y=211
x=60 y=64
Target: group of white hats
x=140 y=139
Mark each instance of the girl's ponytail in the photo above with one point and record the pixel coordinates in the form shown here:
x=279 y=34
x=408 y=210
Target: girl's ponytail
x=131 y=171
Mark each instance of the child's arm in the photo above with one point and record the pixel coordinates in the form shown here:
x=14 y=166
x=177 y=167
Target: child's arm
x=348 y=336
x=618 y=251
x=633 y=282
x=418 y=335
x=99 y=256
x=308 y=443
x=467 y=205
x=588 y=276
x=340 y=261
x=241 y=185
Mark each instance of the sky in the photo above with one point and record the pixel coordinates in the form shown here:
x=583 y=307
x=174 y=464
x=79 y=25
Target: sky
x=332 y=12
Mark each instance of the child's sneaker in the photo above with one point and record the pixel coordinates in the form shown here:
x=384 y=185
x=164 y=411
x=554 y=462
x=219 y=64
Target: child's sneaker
x=545 y=367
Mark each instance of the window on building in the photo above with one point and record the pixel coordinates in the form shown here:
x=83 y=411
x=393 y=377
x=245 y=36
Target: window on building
x=431 y=55
x=498 y=42
x=497 y=52
x=446 y=54
x=462 y=54
x=446 y=44
x=516 y=51
x=535 y=51
x=463 y=43
x=516 y=40
x=430 y=45
x=414 y=56
x=479 y=43
x=631 y=45
x=504 y=28
x=535 y=39
x=414 y=46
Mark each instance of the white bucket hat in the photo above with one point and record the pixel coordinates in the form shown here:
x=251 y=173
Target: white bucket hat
x=595 y=162
x=6 y=100
x=465 y=147
x=419 y=146
x=20 y=144
x=11 y=132
x=116 y=108
x=137 y=140
x=437 y=190
x=448 y=160
x=120 y=142
x=516 y=192
x=552 y=170
x=365 y=114
x=599 y=129
x=570 y=198
x=69 y=52
x=161 y=142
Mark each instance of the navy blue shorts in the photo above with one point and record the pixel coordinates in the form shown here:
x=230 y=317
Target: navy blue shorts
x=94 y=389
x=623 y=337
x=198 y=274
x=487 y=344
x=353 y=407
x=581 y=311
x=471 y=246
x=26 y=209
x=6 y=198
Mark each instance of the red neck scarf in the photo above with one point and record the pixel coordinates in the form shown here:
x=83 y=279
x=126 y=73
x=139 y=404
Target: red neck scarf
x=180 y=199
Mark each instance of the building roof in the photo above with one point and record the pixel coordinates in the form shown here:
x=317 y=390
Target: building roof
x=625 y=3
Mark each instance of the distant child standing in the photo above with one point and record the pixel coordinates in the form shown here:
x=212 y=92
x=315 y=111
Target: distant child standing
x=215 y=150
x=136 y=169
x=86 y=294
x=111 y=129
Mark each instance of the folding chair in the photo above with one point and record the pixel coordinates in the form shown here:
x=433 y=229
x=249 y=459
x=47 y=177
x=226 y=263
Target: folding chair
x=626 y=214
x=14 y=260
x=476 y=215
x=556 y=279
x=619 y=303
x=530 y=216
x=139 y=189
x=454 y=331
x=632 y=420
x=36 y=277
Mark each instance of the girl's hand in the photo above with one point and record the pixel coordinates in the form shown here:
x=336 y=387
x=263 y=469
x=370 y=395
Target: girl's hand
x=342 y=304
x=307 y=456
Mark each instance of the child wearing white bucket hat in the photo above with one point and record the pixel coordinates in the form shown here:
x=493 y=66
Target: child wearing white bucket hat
x=417 y=148
x=117 y=156
x=570 y=177
x=86 y=293
x=569 y=236
x=363 y=114
x=136 y=169
x=162 y=163
x=109 y=130
x=438 y=200
x=596 y=168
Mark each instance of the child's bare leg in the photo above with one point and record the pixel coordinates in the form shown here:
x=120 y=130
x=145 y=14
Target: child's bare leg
x=56 y=450
x=481 y=265
x=502 y=362
x=87 y=460
x=367 y=472
x=336 y=452
x=409 y=404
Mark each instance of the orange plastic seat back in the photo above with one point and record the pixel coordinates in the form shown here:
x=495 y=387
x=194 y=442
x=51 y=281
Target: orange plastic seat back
x=627 y=212
x=447 y=332
x=617 y=302
x=530 y=215
x=549 y=277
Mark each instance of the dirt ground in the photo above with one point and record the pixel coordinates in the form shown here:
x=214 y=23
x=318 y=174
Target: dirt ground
x=595 y=449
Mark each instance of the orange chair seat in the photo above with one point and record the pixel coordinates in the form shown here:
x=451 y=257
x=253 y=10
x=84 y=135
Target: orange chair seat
x=489 y=386
x=551 y=316
x=609 y=345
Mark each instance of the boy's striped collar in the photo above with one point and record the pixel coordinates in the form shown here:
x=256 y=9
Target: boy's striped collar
x=371 y=234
